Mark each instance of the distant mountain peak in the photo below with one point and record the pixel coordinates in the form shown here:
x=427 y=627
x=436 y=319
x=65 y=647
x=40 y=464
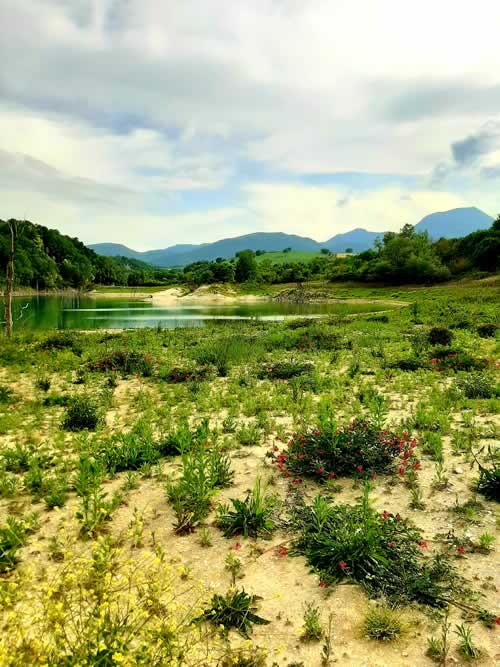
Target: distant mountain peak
x=454 y=223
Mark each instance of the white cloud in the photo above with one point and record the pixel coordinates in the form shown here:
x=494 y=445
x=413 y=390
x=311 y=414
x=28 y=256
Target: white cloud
x=322 y=212
x=107 y=104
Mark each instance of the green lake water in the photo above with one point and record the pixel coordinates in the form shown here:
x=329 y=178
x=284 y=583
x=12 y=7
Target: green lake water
x=80 y=312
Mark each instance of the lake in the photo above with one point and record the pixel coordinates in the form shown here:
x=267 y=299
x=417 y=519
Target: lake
x=80 y=312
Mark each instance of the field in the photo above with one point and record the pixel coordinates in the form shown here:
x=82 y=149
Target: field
x=255 y=493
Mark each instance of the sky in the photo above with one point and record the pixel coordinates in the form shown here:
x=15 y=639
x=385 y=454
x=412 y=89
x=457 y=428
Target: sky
x=151 y=123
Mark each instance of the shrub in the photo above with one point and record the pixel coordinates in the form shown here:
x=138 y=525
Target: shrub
x=456 y=360
x=284 y=370
x=55 y=400
x=382 y=623
x=487 y=330
x=412 y=363
x=235 y=610
x=125 y=362
x=81 y=413
x=440 y=336
x=178 y=374
x=381 y=552
x=357 y=449
x=477 y=385
x=249 y=517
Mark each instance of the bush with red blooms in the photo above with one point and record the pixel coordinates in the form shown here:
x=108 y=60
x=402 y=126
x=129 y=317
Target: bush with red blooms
x=126 y=362
x=457 y=360
x=358 y=449
x=199 y=374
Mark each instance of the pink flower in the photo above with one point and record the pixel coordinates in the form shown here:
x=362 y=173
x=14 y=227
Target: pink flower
x=282 y=551
x=385 y=514
x=342 y=565
x=297 y=480
x=423 y=544
x=237 y=546
x=359 y=468
x=392 y=544
x=461 y=550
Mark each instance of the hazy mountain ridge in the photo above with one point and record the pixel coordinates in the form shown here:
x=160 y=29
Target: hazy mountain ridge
x=448 y=224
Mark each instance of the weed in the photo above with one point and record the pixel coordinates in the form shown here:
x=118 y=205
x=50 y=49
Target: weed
x=126 y=362
x=249 y=517
x=13 y=535
x=327 y=648
x=43 y=383
x=235 y=610
x=205 y=538
x=6 y=395
x=438 y=648
x=234 y=566
x=487 y=330
x=312 y=630
x=488 y=484
x=477 y=385
x=249 y=435
x=466 y=645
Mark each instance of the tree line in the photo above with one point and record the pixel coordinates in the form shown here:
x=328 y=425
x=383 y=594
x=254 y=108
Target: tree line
x=45 y=259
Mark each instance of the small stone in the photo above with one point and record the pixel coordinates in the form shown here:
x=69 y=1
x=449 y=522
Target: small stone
x=458 y=470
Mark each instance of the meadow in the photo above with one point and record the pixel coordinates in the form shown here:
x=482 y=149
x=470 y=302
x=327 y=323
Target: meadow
x=307 y=492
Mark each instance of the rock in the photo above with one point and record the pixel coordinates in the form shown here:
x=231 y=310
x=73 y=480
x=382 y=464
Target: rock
x=458 y=470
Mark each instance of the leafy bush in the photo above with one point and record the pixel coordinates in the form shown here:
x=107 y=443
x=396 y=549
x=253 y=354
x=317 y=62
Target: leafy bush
x=487 y=330
x=249 y=517
x=440 y=336
x=81 y=413
x=357 y=449
x=381 y=552
x=477 y=385
x=412 y=363
x=55 y=400
x=235 y=610
x=284 y=370
x=126 y=362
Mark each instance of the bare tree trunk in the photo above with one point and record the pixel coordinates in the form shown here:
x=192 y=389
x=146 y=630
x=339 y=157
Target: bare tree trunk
x=9 y=283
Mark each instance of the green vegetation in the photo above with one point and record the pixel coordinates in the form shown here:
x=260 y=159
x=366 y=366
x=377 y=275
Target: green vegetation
x=166 y=465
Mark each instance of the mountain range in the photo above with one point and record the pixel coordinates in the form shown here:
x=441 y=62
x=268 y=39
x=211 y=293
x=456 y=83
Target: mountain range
x=455 y=223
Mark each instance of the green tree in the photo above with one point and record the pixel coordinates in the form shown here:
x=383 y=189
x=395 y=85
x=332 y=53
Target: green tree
x=246 y=267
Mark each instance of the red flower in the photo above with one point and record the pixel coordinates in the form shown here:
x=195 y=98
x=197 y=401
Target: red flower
x=282 y=551
x=331 y=475
x=385 y=514
x=323 y=584
x=461 y=550
x=237 y=546
x=423 y=544
x=275 y=448
x=401 y=470
x=359 y=468
x=416 y=466
x=297 y=480
x=497 y=620
x=342 y=565
x=320 y=470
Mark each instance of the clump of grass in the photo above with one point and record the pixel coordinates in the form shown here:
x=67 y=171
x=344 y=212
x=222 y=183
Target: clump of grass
x=249 y=517
x=64 y=340
x=234 y=566
x=358 y=449
x=311 y=630
x=382 y=623
x=381 y=552
x=96 y=508
x=235 y=610
x=82 y=413
x=6 y=395
x=466 y=644
x=43 y=383
x=249 y=435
